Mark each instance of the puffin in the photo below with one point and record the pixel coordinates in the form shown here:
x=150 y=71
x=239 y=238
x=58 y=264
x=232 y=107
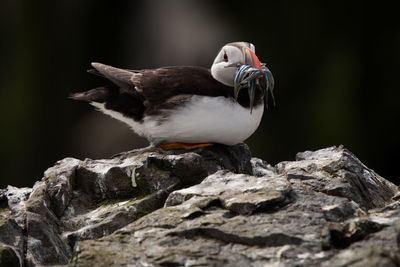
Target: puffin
x=187 y=107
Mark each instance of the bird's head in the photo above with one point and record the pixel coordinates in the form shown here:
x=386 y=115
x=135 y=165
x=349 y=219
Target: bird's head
x=225 y=64
x=237 y=65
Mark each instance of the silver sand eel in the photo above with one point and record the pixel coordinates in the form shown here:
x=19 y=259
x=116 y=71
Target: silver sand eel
x=250 y=77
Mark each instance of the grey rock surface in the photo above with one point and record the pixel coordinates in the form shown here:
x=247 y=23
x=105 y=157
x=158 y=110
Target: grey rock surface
x=212 y=206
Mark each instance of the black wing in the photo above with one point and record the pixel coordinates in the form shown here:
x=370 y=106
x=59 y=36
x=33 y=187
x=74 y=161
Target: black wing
x=134 y=93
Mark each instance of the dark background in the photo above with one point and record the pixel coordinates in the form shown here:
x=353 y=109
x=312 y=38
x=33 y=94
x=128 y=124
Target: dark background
x=336 y=68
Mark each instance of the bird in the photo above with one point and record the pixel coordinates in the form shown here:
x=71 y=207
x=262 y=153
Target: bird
x=187 y=107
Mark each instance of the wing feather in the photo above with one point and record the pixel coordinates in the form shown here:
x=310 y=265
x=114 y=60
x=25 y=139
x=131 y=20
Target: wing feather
x=135 y=93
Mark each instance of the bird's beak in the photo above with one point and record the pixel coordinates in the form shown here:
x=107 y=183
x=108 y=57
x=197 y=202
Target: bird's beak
x=251 y=58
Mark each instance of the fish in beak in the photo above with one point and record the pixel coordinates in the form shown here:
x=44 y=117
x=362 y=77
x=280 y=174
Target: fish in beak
x=251 y=74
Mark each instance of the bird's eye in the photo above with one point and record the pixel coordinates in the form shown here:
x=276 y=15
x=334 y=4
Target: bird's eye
x=225 y=57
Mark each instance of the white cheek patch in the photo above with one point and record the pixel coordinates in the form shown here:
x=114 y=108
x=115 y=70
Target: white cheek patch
x=223 y=74
x=219 y=69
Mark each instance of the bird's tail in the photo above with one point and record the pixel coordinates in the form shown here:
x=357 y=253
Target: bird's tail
x=121 y=96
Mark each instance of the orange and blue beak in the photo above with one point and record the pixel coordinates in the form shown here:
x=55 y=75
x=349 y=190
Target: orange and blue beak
x=251 y=59
x=253 y=73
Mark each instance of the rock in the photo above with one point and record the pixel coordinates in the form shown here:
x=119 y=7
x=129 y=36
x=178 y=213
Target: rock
x=362 y=257
x=238 y=193
x=337 y=172
x=343 y=235
x=78 y=200
x=211 y=206
x=8 y=257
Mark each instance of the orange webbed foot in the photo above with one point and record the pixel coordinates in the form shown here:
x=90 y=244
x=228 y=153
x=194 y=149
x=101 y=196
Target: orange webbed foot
x=186 y=146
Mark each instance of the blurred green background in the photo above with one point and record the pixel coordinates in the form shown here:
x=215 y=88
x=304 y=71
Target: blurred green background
x=336 y=67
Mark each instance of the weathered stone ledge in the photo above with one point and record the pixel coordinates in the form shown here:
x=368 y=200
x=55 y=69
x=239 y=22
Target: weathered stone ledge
x=211 y=206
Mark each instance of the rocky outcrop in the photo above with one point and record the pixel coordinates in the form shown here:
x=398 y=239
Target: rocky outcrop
x=211 y=206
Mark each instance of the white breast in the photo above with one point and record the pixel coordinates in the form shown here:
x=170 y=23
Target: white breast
x=205 y=119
